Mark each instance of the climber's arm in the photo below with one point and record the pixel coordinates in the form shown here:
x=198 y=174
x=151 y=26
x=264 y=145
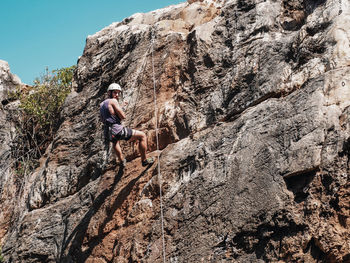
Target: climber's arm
x=115 y=109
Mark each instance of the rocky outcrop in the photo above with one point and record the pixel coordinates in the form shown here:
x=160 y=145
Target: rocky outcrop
x=8 y=81
x=253 y=104
x=8 y=182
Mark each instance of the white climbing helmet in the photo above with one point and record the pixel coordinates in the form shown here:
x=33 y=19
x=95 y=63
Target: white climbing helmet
x=114 y=86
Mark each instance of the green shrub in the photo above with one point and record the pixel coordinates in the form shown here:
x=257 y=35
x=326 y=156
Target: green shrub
x=44 y=101
x=37 y=117
x=1 y=257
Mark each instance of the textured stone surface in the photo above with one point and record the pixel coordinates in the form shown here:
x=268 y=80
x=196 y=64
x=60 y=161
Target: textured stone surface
x=253 y=111
x=8 y=81
x=8 y=182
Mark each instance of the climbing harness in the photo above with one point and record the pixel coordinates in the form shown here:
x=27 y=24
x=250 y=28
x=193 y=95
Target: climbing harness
x=157 y=140
x=140 y=70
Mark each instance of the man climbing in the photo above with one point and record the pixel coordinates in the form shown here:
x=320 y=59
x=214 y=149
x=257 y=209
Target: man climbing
x=112 y=114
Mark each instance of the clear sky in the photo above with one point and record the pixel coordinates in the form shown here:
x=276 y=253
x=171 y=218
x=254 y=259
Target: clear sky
x=35 y=34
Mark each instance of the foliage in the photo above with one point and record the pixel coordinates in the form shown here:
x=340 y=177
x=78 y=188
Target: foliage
x=38 y=114
x=1 y=257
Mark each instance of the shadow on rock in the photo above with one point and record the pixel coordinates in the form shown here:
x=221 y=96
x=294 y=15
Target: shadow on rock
x=76 y=238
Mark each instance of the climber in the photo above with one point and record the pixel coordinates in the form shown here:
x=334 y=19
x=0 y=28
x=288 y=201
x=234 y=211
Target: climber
x=111 y=115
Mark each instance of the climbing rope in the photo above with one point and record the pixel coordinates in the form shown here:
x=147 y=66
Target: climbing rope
x=157 y=140
x=140 y=70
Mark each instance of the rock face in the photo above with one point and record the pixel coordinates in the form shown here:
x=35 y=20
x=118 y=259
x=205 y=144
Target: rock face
x=8 y=81
x=253 y=112
x=8 y=183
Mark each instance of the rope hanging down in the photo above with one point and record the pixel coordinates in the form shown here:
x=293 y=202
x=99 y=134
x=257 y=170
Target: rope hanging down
x=140 y=70
x=157 y=139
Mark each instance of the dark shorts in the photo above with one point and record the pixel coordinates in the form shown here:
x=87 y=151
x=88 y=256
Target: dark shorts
x=124 y=134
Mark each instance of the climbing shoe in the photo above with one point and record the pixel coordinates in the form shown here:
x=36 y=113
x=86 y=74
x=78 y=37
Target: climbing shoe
x=148 y=161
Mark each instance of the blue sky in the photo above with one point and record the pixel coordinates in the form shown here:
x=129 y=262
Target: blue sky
x=36 y=34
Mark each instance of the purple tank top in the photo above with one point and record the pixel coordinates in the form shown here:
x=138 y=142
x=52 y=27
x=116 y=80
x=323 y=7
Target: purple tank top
x=109 y=119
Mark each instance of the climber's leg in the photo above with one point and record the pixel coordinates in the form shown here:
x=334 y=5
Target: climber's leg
x=142 y=138
x=118 y=152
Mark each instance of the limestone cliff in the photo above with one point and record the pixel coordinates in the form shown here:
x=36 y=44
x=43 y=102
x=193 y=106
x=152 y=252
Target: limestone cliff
x=253 y=110
x=9 y=184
